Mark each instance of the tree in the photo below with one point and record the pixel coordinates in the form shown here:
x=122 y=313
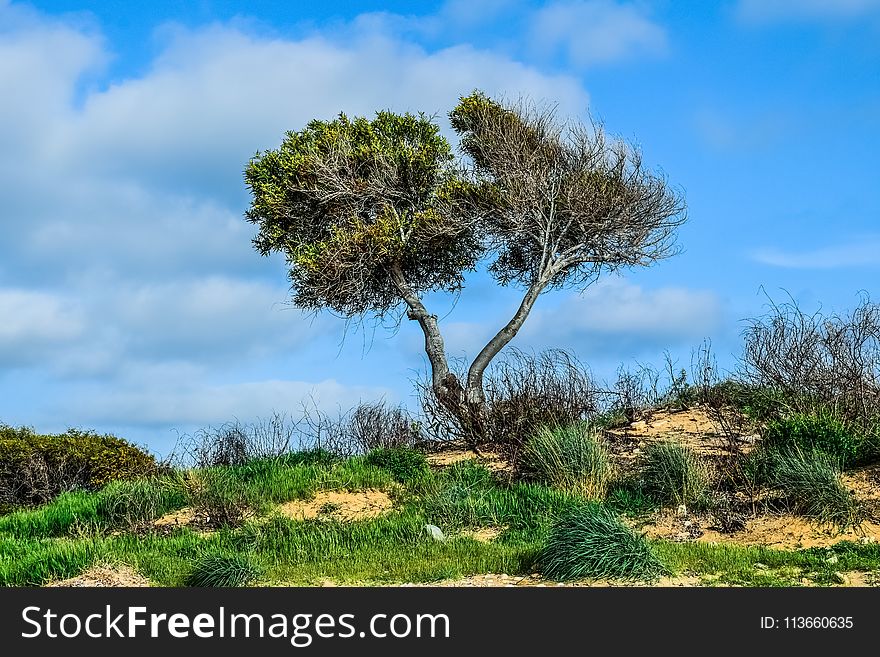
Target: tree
x=371 y=215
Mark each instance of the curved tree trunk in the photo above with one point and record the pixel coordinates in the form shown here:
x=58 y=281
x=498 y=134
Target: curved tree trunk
x=444 y=383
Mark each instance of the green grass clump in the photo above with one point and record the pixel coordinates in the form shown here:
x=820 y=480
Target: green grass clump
x=590 y=542
x=673 y=474
x=129 y=504
x=66 y=514
x=811 y=483
x=813 y=433
x=223 y=570
x=573 y=458
x=404 y=463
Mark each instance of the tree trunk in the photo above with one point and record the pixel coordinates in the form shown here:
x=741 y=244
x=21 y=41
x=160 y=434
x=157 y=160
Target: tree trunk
x=474 y=393
x=444 y=383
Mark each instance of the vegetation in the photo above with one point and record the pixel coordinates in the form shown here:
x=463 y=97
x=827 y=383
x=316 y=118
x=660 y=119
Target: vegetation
x=673 y=474
x=373 y=214
x=589 y=541
x=219 y=570
x=573 y=458
x=34 y=468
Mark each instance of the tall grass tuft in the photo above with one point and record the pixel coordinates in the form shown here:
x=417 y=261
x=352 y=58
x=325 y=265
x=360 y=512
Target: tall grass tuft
x=130 y=504
x=223 y=570
x=590 y=542
x=673 y=474
x=811 y=482
x=573 y=458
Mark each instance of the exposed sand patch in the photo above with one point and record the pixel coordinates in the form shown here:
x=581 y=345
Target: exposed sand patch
x=339 y=505
x=492 y=460
x=692 y=427
x=115 y=576
x=779 y=531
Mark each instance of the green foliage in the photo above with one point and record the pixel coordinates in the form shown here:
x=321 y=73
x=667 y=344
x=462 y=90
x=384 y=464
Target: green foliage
x=223 y=570
x=811 y=482
x=66 y=514
x=807 y=432
x=405 y=464
x=572 y=457
x=590 y=542
x=130 y=504
x=345 y=199
x=673 y=474
x=34 y=468
x=32 y=562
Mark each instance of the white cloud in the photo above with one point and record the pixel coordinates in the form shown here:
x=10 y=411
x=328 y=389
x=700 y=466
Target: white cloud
x=35 y=323
x=617 y=311
x=864 y=253
x=195 y=403
x=597 y=31
x=773 y=11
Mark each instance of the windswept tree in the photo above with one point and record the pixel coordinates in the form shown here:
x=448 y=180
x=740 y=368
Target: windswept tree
x=373 y=214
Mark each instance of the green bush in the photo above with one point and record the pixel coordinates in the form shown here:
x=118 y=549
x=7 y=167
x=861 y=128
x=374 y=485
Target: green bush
x=573 y=458
x=673 y=474
x=590 y=542
x=34 y=468
x=130 y=504
x=404 y=463
x=811 y=483
x=223 y=570
x=822 y=432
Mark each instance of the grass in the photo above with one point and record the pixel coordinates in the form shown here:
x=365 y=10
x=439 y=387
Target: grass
x=573 y=458
x=223 y=570
x=811 y=482
x=673 y=474
x=589 y=541
x=77 y=530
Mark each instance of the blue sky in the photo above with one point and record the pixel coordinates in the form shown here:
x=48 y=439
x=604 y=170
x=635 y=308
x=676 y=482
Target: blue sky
x=131 y=300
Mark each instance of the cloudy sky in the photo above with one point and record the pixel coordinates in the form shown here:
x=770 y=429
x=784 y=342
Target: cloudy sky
x=132 y=301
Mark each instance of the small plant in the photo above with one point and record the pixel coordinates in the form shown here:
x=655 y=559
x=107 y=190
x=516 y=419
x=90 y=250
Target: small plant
x=404 y=463
x=820 y=432
x=328 y=507
x=573 y=458
x=217 y=497
x=129 y=504
x=590 y=542
x=223 y=570
x=811 y=482
x=674 y=475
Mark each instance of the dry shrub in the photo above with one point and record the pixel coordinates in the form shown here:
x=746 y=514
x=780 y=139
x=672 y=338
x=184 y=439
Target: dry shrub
x=524 y=391
x=813 y=363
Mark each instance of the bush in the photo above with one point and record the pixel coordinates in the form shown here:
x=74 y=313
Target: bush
x=811 y=483
x=236 y=443
x=589 y=541
x=403 y=463
x=808 y=433
x=217 y=497
x=673 y=474
x=223 y=570
x=34 y=468
x=523 y=392
x=815 y=362
x=130 y=504
x=573 y=458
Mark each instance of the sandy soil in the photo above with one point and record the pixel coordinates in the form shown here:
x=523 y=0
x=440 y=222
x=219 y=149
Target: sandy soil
x=339 y=505
x=115 y=576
